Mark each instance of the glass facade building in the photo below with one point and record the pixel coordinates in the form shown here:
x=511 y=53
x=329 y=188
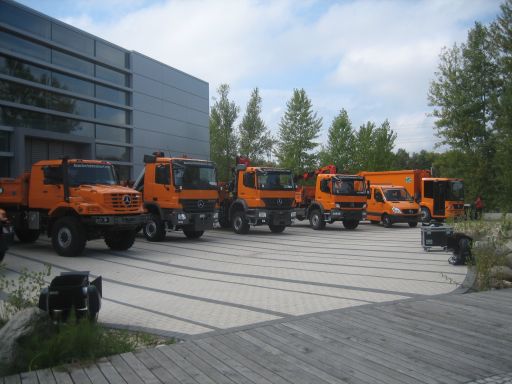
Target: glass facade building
x=64 y=92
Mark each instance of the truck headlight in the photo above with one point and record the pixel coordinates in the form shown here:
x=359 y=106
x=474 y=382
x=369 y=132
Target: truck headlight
x=365 y=205
x=396 y=210
x=216 y=216
x=338 y=205
x=262 y=214
x=1 y=190
x=182 y=216
x=294 y=214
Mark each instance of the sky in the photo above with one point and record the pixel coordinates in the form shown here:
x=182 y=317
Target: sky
x=374 y=58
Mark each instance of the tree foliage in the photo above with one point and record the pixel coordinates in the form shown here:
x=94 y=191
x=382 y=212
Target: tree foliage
x=223 y=137
x=299 y=128
x=340 y=145
x=255 y=139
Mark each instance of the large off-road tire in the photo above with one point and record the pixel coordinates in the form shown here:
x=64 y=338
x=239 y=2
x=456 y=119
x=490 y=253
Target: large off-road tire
x=240 y=224
x=276 y=228
x=386 y=221
x=191 y=234
x=413 y=224
x=316 y=220
x=425 y=215
x=350 y=224
x=27 y=235
x=68 y=236
x=154 y=229
x=120 y=240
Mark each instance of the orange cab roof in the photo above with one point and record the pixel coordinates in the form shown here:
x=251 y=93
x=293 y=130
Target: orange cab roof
x=71 y=161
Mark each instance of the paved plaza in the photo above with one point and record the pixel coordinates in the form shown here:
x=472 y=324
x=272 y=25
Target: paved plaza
x=183 y=287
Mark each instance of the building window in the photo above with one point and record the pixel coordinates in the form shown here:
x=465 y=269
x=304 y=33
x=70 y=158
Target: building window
x=18 y=93
x=111 y=94
x=111 y=115
x=18 y=18
x=106 y=132
x=72 y=39
x=110 y=54
x=110 y=75
x=112 y=152
x=15 y=117
x=17 y=68
x=123 y=172
x=72 y=62
x=5 y=145
x=72 y=84
x=24 y=47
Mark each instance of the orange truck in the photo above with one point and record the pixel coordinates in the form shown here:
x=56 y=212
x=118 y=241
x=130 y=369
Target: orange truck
x=439 y=198
x=334 y=197
x=72 y=201
x=179 y=193
x=257 y=196
x=392 y=204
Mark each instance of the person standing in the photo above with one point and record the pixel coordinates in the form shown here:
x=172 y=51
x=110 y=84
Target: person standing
x=479 y=207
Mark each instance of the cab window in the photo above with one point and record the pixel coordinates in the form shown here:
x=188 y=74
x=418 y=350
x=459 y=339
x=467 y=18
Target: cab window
x=163 y=174
x=249 y=180
x=52 y=175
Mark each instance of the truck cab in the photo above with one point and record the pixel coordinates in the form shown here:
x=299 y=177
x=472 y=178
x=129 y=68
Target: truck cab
x=72 y=201
x=257 y=196
x=391 y=204
x=334 y=197
x=180 y=194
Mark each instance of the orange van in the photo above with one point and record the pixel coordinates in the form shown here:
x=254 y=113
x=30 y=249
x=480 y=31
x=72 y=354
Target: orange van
x=392 y=204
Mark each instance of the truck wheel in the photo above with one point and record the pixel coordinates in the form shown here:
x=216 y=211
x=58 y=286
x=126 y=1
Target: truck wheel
x=120 y=240
x=386 y=221
x=425 y=215
x=240 y=224
x=413 y=225
x=350 y=224
x=316 y=221
x=276 y=228
x=193 y=234
x=27 y=235
x=68 y=236
x=154 y=229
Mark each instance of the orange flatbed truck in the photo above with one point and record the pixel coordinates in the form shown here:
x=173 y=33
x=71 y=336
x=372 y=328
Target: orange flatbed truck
x=179 y=194
x=257 y=196
x=72 y=201
x=439 y=198
x=334 y=197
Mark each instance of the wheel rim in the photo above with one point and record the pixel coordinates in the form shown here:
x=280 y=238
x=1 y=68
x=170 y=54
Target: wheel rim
x=237 y=223
x=424 y=214
x=315 y=220
x=151 y=229
x=64 y=237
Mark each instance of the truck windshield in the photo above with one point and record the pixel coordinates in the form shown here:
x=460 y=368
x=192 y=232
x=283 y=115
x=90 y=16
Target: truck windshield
x=397 y=194
x=348 y=186
x=91 y=174
x=194 y=175
x=455 y=191
x=275 y=180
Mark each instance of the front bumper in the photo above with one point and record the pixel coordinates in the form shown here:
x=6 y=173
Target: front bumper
x=194 y=221
x=267 y=216
x=127 y=221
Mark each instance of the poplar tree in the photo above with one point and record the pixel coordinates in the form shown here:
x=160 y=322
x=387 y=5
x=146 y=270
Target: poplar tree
x=340 y=146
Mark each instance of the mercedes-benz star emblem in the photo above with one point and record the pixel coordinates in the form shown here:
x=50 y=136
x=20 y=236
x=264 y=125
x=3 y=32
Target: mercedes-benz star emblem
x=127 y=199
x=279 y=201
x=200 y=204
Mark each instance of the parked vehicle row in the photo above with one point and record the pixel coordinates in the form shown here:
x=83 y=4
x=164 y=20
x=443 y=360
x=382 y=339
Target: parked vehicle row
x=73 y=201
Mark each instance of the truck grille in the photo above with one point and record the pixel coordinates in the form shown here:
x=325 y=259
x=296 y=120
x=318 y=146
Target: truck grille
x=351 y=205
x=278 y=203
x=123 y=202
x=409 y=211
x=197 y=205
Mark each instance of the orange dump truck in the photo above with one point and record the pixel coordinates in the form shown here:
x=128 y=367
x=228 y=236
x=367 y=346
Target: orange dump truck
x=392 y=204
x=179 y=193
x=334 y=197
x=439 y=198
x=72 y=201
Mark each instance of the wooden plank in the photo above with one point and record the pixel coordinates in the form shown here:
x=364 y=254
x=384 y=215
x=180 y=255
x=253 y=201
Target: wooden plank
x=216 y=363
x=139 y=368
x=79 y=376
x=110 y=373
x=45 y=376
x=61 y=377
x=231 y=363
x=29 y=378
x=12 y=379
x=95 y=374
x=169 y=365
x=186 y=365
x=156 y=369
x=126 y=372
x=496 y=304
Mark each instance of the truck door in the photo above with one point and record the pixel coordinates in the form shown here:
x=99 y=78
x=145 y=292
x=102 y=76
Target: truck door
x=161 y=188
x=439 y=198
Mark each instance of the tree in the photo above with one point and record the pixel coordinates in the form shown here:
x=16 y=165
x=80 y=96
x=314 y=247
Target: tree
x=223 y=139
x=401 y=160
x=299 y=128
x=340 y=145
x=255 y=140
x=384 y=142
x=365 y=144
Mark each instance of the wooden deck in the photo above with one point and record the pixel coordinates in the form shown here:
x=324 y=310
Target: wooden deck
x=447 y=339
